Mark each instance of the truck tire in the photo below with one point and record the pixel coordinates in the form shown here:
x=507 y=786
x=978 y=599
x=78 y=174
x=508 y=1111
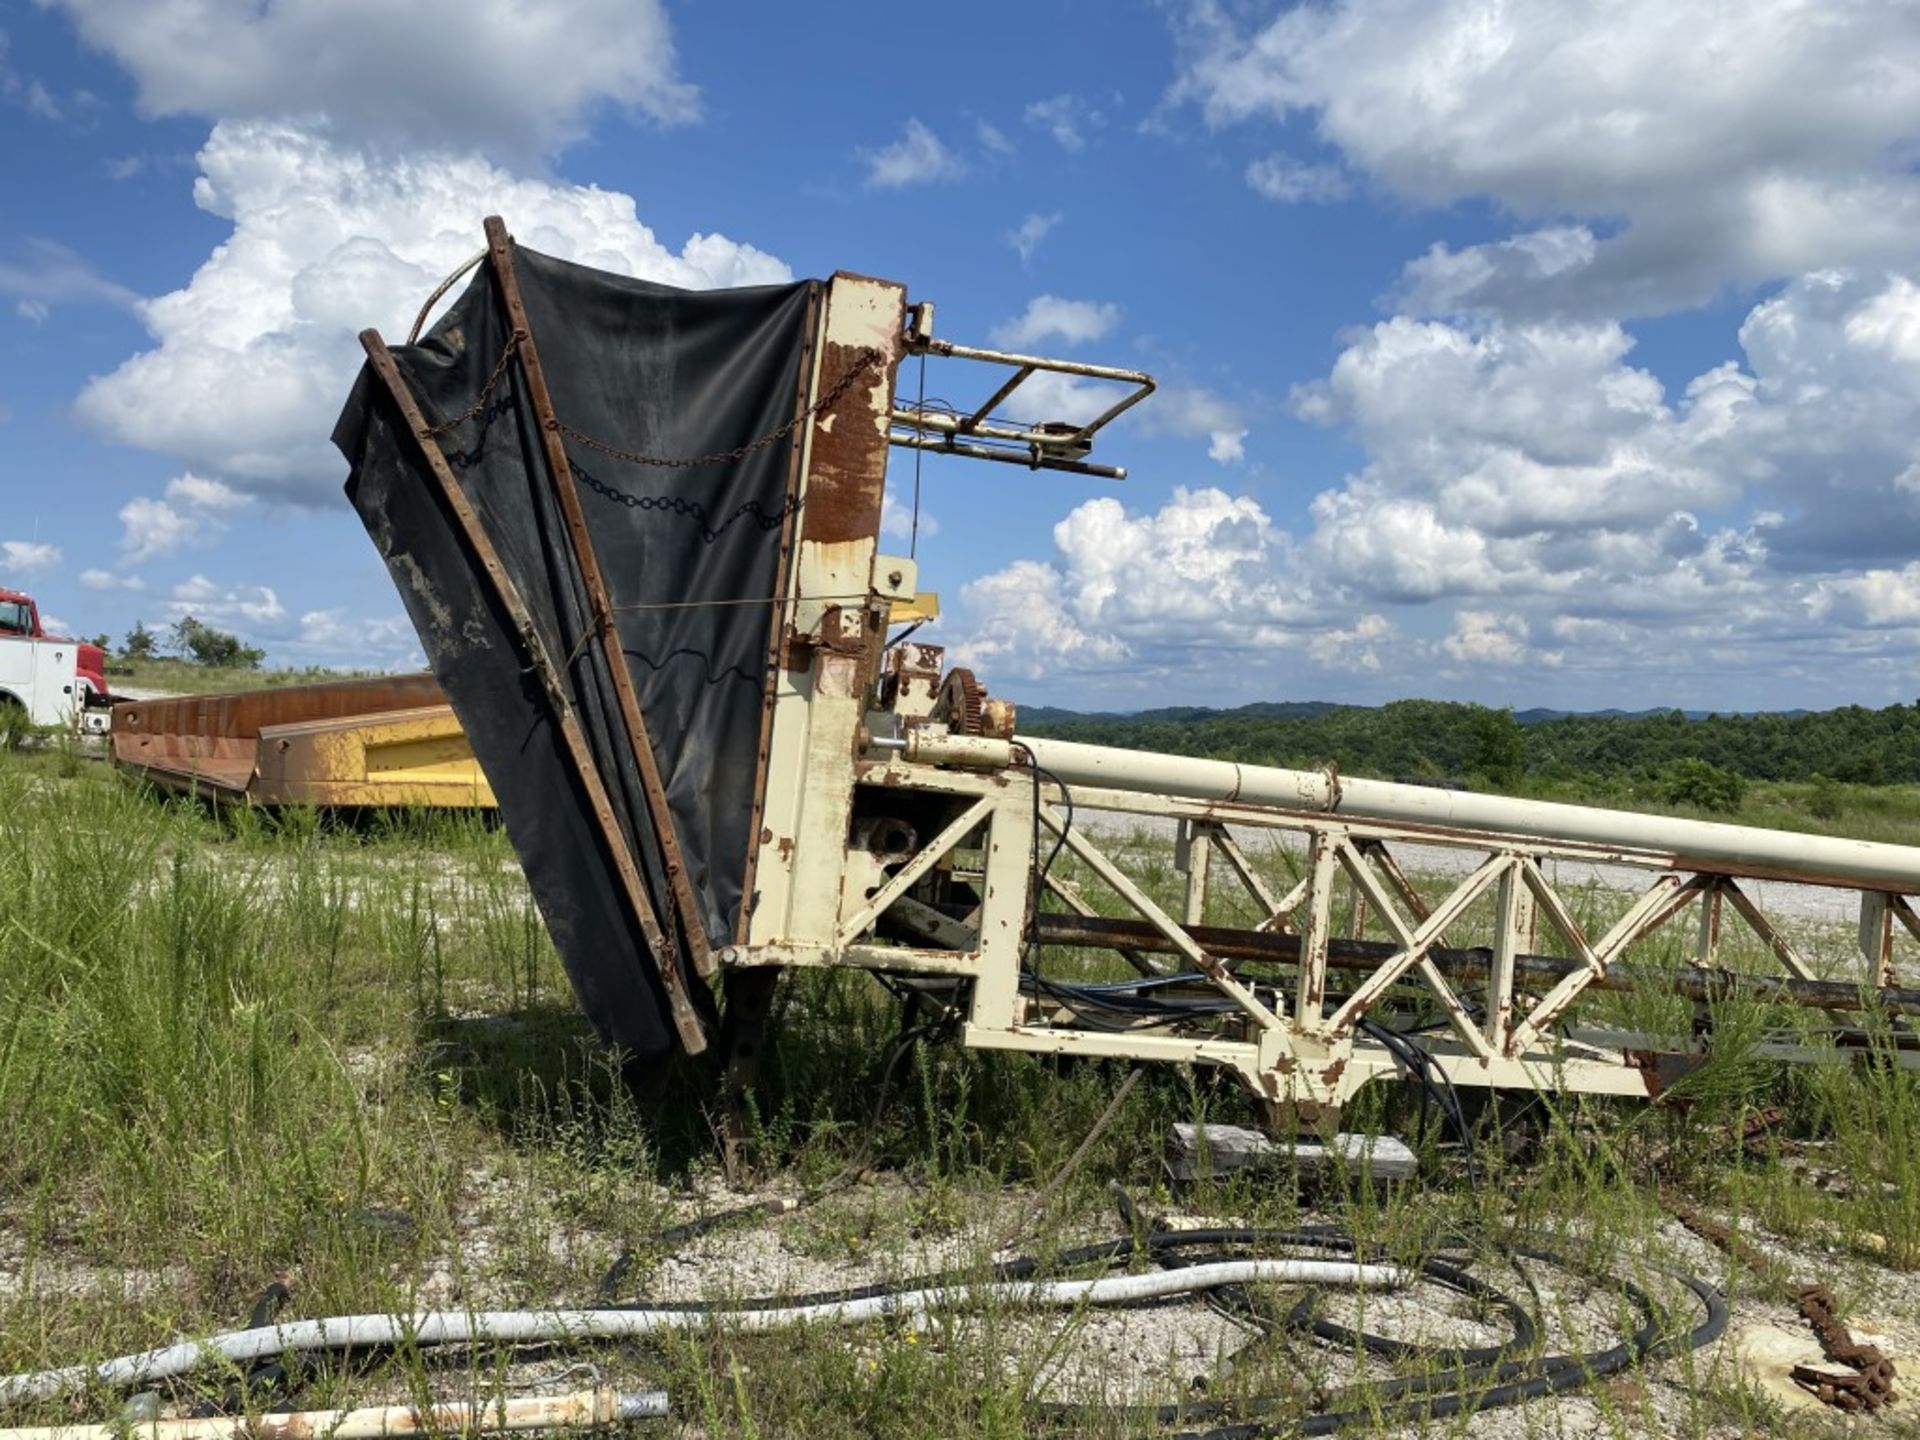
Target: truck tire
x=13 y=722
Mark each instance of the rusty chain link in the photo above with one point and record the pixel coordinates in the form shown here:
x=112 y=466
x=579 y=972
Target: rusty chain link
x=864 y=361
x=480 y=400
x=1870 y=1387
x=1871 y=1384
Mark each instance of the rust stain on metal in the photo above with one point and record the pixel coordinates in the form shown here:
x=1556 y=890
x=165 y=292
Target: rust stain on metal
x=212 y=745
x=1648 y=1064
x=847 y=471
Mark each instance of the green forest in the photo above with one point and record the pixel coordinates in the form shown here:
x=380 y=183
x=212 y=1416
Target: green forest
x=1816 y=763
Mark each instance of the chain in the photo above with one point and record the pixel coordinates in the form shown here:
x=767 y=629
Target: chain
x=866 y=360
x=1871 y=1384
x=680 y=505
x=480 y=400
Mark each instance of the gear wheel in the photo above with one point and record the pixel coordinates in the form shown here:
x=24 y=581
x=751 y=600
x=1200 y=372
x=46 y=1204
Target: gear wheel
x=961 y=703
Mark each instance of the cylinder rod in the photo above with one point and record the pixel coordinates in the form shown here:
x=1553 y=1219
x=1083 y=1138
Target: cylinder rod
x=1685 y=844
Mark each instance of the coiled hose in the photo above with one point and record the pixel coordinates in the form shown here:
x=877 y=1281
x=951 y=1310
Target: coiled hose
x=1218 y=1262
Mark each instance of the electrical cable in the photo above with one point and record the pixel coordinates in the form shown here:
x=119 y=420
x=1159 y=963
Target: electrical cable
x=1029 y=960
x=1434 y=1081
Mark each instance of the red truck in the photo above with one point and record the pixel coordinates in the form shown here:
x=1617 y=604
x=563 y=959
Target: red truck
x=20 y=622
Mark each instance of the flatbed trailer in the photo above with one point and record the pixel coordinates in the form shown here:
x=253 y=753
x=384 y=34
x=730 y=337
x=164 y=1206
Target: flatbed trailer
x=390 y=742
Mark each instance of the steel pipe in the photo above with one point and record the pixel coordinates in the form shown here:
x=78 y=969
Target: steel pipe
x=1682 y=844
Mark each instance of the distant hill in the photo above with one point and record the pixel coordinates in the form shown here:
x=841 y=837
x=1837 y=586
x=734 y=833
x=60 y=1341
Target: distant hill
x=1437 y=739
x=1296 y=709
x=1032 y=715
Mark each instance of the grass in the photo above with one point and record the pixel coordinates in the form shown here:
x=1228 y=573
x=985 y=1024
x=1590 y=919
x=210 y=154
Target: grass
x=1889 y=813
x=186 y=677
x=240 y=1048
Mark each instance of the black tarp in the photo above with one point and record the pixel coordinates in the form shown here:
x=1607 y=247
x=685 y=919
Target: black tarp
x=645 y=368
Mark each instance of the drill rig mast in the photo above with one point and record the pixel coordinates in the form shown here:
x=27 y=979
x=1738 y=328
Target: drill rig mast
x=714 y=764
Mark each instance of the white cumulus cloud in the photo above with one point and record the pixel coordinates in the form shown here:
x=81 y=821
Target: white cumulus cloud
x=204 y=493
x=150 y=529
x=110 y=580
x=252 y=358
x=510 y=77
x=1049 y=317
x=336 y=636
x=1355 y=647
x=1503 y=457
x=916 y=158
x=1227 y=447
x=194 y=512
x=1287 y=181
x=1155 y=592
x=1482 y=637
x=896 y=517
x=1025 y=237
x=1199 y=413
x=248 y=607
x=28 y=557
x=1697 y=143
x=1067 y=118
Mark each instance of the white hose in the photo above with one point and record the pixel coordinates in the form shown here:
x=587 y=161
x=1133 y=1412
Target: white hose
x=443 y=1327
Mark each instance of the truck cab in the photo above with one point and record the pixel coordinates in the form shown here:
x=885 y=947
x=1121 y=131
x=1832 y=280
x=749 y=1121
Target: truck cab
x=20 y=616
x=48 y=679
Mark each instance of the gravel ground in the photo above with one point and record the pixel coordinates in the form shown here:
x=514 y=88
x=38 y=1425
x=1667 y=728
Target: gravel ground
x=1145 y=1354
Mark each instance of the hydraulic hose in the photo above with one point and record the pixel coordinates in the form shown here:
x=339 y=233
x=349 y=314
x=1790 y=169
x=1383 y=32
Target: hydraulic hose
x=444 y=1327
x=1454 y=1380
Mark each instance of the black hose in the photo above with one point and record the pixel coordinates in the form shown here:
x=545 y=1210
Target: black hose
x=1456 y=1379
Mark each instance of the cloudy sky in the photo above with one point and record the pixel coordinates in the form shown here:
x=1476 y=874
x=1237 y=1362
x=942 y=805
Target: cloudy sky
x=1545 y=353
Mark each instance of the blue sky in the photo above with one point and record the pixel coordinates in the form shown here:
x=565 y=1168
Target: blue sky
x=1546 y=354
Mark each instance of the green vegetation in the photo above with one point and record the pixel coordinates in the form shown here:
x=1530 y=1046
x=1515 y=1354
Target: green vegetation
x=1701 y=785
x=215 y=649
x=139 y=644
x=240 y=1048
x=202 y=660
x=188 y=677
x=1846 y=771
x=1439 y=738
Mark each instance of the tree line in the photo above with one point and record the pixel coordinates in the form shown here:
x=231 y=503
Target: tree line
x=191 y=640
x=1436 y=739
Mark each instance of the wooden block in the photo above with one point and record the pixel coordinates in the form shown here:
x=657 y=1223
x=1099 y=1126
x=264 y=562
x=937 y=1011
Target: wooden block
x=1223 y=1149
